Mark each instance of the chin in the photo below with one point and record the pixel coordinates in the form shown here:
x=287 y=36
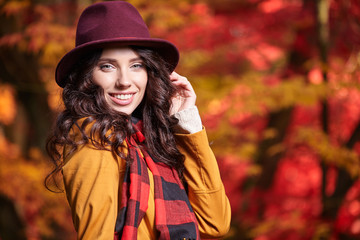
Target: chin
x=125 y=111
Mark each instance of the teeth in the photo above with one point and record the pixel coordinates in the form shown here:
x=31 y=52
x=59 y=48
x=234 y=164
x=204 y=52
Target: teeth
x=123 y=96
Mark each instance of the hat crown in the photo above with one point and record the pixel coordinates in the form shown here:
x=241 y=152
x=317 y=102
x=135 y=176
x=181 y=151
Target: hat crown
x=110 y=20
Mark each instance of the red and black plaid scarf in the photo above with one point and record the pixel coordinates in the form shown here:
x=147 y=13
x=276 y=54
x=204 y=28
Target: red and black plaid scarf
x=174 y=217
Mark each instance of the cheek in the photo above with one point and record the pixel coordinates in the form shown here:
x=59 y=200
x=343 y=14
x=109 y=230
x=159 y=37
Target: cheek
x=142 y=82
x=96 y=76
x=102 y=80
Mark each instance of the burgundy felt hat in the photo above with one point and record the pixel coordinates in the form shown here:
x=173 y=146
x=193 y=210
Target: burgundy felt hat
x=107 y=23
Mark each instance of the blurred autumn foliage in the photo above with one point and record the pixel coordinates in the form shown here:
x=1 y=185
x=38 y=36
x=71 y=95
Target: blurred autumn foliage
x=278 y=90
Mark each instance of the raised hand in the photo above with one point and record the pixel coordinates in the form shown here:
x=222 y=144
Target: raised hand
x=185 y=96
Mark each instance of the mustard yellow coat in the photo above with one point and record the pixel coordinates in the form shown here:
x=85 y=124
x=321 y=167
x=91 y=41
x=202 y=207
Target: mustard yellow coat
x=93 y=180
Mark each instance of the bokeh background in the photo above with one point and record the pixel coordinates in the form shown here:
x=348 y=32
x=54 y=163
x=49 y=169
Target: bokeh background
x=278 y=91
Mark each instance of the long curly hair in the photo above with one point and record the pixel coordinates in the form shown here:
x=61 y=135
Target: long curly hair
x=85 y=100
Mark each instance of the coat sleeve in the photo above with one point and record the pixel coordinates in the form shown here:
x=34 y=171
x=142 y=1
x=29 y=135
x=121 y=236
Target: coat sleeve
x=91 y=180
x=205 y=188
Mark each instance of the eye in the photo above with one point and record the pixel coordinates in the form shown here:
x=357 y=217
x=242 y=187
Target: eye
x=106 y=66
x=137 y=65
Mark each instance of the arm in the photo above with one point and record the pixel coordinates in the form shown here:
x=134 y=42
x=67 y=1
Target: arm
x=205 y=188
x=206 y=191
x=91 y=179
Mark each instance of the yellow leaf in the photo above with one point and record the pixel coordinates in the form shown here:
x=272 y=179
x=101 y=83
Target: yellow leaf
x=7 y=104
x=15 y=7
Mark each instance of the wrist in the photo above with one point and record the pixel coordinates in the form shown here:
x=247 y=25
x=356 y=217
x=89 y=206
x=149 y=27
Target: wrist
x=189 y=121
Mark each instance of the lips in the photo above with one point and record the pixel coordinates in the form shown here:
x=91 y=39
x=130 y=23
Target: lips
x=122 y=99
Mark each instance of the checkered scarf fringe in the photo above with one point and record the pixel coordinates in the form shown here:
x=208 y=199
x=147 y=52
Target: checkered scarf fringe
x=174 y=217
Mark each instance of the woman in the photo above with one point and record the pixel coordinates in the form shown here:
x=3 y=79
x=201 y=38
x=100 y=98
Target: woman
x=135 y=159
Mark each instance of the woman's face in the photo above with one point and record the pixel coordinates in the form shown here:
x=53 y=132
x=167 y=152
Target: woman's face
x=123 y=76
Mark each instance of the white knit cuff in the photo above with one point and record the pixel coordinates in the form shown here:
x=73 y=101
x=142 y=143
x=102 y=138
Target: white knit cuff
x=189 y=121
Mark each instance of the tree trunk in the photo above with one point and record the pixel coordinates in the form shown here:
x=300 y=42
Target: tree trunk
x=12 y=227
x=344 y=181
x=280 y=120
x=268 y=158
x=20 y=68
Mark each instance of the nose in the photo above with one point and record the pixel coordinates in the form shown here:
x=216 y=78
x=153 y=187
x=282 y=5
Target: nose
x=123 y=81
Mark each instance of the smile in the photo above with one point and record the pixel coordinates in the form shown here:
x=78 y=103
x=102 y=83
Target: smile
x=122 y=96
x=122 y=99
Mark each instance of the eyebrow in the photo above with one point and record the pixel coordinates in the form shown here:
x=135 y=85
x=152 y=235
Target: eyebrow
x=114 y=60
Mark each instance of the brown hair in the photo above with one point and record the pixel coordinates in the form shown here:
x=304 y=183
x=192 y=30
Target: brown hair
x=83 y=99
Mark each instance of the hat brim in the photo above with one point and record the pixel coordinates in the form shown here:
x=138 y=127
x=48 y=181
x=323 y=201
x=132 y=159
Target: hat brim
x=164 y=48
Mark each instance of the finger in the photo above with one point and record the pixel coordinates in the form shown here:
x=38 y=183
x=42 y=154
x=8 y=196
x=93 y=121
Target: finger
x=176 y=78
x=184 y=87
x=181 y=81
